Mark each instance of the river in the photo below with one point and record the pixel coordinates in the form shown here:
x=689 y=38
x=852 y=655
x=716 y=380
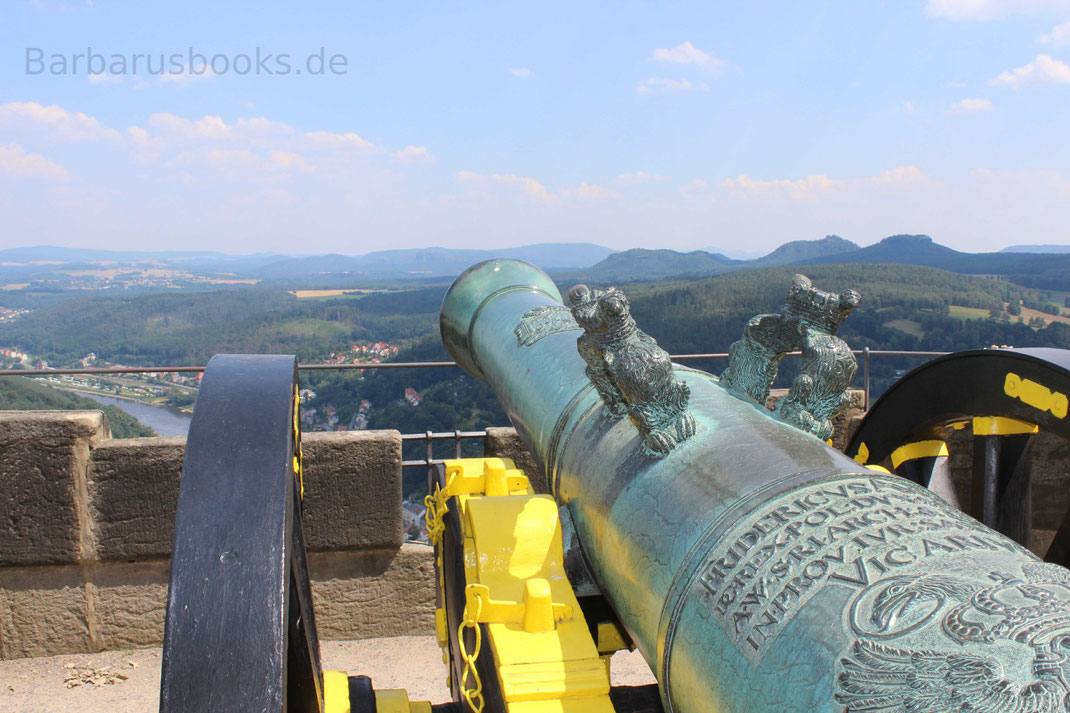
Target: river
x=163 y=420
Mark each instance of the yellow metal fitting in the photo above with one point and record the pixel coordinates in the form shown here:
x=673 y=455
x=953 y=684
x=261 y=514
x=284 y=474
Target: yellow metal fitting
x=920 y=449
x=335 y=692
x=396 y=700
x=496 y=611
x=494 y=477
x=440 y=628
x=1000 y=426
x=611 y=638
x=538 y=606
x=878 y=469
x=863 y=454
x=1036 y=395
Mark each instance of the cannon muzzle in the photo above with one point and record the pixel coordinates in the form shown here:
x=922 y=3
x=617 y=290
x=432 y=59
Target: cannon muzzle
x=756 y=568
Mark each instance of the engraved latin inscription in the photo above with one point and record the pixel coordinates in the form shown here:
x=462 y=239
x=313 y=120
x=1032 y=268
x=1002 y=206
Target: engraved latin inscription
x=850 y=532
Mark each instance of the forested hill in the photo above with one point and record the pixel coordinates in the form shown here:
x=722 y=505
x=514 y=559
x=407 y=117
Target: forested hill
x=188 y=328
x=18 y=393
x=903 y=307
x=1042 y=271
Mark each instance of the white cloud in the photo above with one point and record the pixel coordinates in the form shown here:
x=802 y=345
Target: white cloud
x=631 y=179
x=669 y=85
x=212 y=127
x=531 y=187
x=992 y=9
x=808 y=188
x=902 y=177
x=414 y=154
x=521 y=72
x=687 y=53
x=105 y=78
x=971 y=106
x=16 y=163
x=593 y=192
x=909 y=107
x=818 y=186
x=73 y=126
x=349 y=140
x=1059 y=36
x=220 y=158
x=288 y=160
x=1041 y=72
x=183 y=78
x=227 y=159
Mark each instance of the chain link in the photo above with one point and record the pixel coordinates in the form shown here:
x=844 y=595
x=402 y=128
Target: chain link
x=437 y=505
x=436 y=509
x=473 y=696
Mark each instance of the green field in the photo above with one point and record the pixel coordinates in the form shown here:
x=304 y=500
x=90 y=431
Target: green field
x=959 y=312
x=907 y=325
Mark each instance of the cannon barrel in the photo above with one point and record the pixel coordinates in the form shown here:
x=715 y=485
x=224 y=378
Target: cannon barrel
x=756 y=568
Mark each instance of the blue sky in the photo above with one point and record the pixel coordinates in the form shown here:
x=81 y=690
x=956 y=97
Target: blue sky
x=632 y=124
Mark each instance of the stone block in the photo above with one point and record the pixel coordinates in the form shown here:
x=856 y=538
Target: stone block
x=352 y=490
x=133 y=495
x=505 y=443
x=372 y=594
x=1050 y=458
x=43 y=460
x=43 y=612
x=130 y=601
x=841 y=423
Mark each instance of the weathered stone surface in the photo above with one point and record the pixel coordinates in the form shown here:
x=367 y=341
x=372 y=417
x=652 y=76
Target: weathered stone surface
x=43 y=461
x=1050 y=457
x=133 y=494
x=43 y=612
x=841 y=424
x=505 y=443
x=130 y=601
x=352 y=490
x=372 y=594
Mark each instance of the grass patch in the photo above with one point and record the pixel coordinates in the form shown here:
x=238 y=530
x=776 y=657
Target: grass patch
x=907 y=325
x=314 y=294
x=1029 y=314
x=967 y=312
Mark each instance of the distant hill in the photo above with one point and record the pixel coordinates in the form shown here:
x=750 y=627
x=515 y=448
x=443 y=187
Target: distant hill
x=1039 y=270
x=547 y=256
x=901 y=249
x=47 y=262
x=640 y=264
x=802 y=250
x=1036 y=249
x=732 y=252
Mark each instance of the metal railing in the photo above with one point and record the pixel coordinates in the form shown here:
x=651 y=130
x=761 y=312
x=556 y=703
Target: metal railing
x=865 y=353
x=430 y=437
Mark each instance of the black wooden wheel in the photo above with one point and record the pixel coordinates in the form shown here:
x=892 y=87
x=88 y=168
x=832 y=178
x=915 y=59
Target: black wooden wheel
x=239 y=631
x=1004 y=394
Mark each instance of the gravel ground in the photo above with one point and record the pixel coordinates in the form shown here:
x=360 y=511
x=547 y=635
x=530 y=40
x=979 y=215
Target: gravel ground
x=129 y=681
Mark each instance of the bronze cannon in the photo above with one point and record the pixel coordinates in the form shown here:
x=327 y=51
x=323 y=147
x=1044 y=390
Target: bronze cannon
x=755 y=568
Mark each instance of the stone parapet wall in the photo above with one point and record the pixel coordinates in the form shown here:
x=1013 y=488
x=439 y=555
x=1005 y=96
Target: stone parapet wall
x=86 y=524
